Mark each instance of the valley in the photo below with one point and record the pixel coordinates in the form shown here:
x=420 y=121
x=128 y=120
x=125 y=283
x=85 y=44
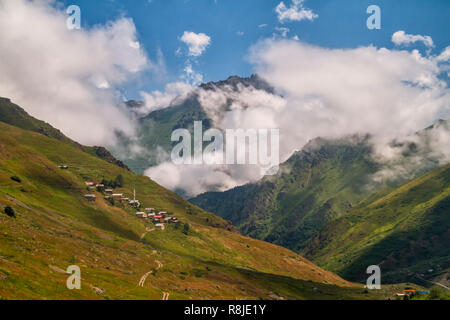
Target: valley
x=55 y=227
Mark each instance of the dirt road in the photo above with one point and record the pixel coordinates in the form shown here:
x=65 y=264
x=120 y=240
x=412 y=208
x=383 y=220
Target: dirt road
x=144 y=277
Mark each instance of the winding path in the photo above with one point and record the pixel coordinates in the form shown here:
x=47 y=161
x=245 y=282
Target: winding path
x=147 y=231
x=145 y=276
x=435 y=283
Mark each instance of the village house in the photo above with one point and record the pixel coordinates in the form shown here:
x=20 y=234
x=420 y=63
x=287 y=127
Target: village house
x=158 y=219
x=64 y=167
x=117 y=195
x=90 y=197
x=173 y=220
x=135 y=203
x=160 y=225
x=90 y=183
x=141 y=215
x=109 y=191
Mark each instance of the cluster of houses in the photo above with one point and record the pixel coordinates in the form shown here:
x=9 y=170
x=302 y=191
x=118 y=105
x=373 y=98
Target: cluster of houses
x=158 y=219
x=110 y=195
x=149 y=214
x=91 y=185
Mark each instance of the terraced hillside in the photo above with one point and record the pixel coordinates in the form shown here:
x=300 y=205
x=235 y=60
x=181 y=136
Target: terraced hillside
x=121 y=256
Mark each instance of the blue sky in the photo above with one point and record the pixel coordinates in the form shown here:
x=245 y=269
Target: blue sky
x=340 y=24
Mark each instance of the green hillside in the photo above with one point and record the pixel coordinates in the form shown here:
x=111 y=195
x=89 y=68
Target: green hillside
x=12 y=114
x=406 y=232
x=324 y=180
x=121 y=256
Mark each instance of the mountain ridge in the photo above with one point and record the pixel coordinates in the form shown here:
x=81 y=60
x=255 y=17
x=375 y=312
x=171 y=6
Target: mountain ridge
x=11 y=113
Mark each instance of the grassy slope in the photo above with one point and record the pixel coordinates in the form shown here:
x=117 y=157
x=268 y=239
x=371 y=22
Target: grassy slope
x=12 y=114
x=313 y=186
x=406 y=232
x=56 y=227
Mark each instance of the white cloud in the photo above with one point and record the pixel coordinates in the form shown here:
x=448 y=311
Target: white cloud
x=282 y=31
x=444 y=56
x=156 y=100
x=296 y=12
x=192 y=179
x=336 y=92
x=196 y=42
x=401 y=38
x=191 y=76
x=330 y=93
x=68 y=77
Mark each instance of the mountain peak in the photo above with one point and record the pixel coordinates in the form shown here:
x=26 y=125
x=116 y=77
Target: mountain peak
x=234 y=81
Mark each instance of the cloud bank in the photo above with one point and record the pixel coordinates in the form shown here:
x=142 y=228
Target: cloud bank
x=337 y=92
x=68 y=77
x=329 y=93
x=156 y=100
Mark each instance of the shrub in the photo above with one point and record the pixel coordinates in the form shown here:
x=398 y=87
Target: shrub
x=198 y=273
x=16 y=179
x=10 y=212
x=436 y=293
x=119 y=181
x=186 y=229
